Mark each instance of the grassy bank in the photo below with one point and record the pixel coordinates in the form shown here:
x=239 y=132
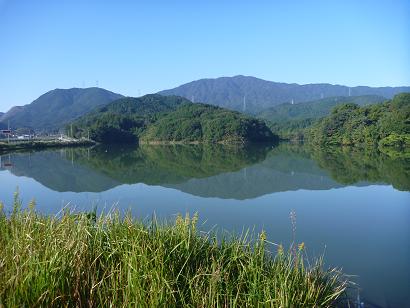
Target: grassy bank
x=83 y=260
x=42 y=144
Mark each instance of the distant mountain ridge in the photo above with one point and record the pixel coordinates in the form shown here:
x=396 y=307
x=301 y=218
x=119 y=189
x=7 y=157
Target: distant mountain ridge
x=54 y=109
x=252 y=95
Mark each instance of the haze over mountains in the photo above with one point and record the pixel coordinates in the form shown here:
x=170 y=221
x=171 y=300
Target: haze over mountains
x=56 y=108
x=252 y=95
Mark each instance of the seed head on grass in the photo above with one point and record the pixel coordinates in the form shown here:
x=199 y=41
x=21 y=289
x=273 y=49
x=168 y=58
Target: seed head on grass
x=114 y=260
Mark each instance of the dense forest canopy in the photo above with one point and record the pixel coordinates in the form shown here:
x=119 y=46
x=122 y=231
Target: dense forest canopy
x=289 y=120
x=157 y=118
x=385 y=125
x=200 y=122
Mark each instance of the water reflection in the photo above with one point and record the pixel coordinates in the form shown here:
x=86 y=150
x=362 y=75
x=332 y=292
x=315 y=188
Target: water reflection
x=364 y=227
x=210 y=170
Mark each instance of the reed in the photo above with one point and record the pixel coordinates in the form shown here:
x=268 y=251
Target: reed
x=114 y=260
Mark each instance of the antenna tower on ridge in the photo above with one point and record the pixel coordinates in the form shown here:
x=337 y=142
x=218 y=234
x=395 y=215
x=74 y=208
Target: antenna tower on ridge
x=244 y=102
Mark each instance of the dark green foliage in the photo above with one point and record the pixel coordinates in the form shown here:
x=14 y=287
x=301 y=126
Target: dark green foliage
x=229 y=92
x=290 y=120
x=292 y=129
x=56 y=108
x=314 y=109
x=386 y=124
x=156 y=118
x=206 y=123
x=125 y=119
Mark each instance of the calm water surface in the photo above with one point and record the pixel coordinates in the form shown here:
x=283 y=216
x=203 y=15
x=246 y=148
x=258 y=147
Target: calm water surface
x=352 y=206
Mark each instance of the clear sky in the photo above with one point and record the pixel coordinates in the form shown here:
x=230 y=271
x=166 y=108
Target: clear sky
x=138 y=47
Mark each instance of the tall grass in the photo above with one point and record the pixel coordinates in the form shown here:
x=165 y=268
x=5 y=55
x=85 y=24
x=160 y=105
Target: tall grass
x=113 y=260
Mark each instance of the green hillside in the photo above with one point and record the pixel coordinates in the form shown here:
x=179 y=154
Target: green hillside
x=385 y=125
x=253 y=95
x=315 y=109
x=157 y=118
x=206 y=123
x=56 y=108
x=289 y=120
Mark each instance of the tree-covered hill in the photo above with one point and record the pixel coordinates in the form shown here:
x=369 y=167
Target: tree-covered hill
x=385 y=125
x=252 y=95
x=315 y=109
x=124 y=120
x=206 y=123
x=289 y=120
x=56 y=108
x=157 y=118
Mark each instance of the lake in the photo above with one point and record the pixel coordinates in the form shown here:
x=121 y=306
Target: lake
x=352 y=206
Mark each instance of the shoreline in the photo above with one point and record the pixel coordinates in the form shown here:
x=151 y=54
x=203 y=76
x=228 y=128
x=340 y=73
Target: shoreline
x=42 y=144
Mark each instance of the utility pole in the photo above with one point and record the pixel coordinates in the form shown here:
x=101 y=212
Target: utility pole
x=72 y=130
x=8 y=134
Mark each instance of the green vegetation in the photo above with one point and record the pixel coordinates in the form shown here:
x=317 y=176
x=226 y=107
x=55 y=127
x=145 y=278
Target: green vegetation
x=56 y=108
x=85 y=260
x=206 y=123
x=383 y=125
x=156 y=118
x=124 y=120
x=290 y=120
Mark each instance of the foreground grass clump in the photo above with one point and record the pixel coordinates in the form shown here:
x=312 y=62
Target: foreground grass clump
x=84 y=260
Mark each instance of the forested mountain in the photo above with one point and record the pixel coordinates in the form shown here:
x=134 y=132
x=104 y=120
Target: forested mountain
x=315 y=109
x=288 y=120
x=386 y=125
x=157 y=118
x=4 y=117
x=200 y=122
x=252 y=95
x=56 y=108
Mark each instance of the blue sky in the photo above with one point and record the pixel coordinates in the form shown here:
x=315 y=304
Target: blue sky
x=138 y=47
